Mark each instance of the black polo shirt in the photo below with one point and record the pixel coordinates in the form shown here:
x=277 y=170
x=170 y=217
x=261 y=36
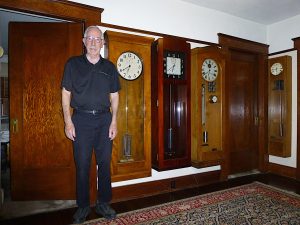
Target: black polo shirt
x=90 y=84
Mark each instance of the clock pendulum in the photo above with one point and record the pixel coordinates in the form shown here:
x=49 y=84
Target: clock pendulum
x=127 y=137
x=169 y=150
x=205 y=134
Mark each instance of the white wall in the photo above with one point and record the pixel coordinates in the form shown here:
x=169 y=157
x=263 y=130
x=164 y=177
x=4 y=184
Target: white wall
x=279 y=35
x=178 y=18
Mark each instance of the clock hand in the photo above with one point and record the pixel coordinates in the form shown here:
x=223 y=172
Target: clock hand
x=171 y=67
x=126 y=68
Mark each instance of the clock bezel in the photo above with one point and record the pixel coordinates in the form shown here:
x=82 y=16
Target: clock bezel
x=178 y=55
x=218 y=69
x=140 y=59
x=276 y=63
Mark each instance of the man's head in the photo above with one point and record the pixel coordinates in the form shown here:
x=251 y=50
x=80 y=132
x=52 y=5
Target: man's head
x=93 y=40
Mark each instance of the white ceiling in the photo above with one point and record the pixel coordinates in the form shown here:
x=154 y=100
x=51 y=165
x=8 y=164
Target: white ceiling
x=260 y=11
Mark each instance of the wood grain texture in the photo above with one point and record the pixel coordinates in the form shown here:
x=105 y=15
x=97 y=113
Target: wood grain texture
x=280 y=108
x=209 y=153
x=40 y=152
x=165 y=112
x=134 y=114
x=239 y=50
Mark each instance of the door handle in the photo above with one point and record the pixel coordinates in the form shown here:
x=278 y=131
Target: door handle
x=14 y=125
x=256 y=121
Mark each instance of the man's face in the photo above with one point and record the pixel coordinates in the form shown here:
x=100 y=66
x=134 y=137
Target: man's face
x=93 y=42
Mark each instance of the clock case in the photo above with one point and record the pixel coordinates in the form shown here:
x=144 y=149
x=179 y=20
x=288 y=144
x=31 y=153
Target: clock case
x=280 y=108
x=207 y=126
x=170 y=107
x=131 y=154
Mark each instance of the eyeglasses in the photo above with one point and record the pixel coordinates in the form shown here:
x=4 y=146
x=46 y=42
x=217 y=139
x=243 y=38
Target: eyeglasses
x=91 y=38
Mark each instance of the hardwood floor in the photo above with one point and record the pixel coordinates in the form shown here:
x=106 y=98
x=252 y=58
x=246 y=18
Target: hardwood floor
x=63 y=217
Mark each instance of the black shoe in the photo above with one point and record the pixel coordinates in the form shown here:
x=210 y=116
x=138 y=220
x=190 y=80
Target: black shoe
x=105 y=210
x=81 y=214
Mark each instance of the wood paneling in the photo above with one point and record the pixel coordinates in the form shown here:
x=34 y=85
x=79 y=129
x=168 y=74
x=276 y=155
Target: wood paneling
x=139 y=190
x=282 y=170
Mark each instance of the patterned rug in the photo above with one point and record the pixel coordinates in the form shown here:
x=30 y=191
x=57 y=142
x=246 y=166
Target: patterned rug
x=254 y=203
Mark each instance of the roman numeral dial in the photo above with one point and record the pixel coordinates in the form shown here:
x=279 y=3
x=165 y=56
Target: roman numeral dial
x=209 y=70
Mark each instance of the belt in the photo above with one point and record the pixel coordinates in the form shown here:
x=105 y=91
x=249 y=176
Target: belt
x=94 y=112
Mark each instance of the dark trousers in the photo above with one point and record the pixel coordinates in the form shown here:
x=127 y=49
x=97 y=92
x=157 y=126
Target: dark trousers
x=92 y=133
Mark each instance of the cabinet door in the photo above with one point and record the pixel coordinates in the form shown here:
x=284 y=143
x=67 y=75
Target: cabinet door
x=170 y=89
x=131 y=156
x=42 y=165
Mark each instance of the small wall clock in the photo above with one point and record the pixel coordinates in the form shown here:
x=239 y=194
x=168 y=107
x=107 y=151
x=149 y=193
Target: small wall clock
x=210 y=70
x=129 y=65
x=276 y=68
x=174 y=64
x=279 y=106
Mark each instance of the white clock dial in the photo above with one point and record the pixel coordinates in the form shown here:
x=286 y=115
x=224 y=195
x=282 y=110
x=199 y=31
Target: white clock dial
x=129 y=65
x=276 y=69
x=173 y=66
x=209 y=70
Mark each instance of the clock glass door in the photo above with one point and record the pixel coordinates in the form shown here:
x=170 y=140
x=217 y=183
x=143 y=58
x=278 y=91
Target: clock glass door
x=175 y=124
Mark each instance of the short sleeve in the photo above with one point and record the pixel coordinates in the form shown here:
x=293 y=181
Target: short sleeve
x=66 y=80
x=115 y=84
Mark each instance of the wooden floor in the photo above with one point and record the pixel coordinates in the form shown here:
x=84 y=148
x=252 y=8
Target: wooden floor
x=63 y=217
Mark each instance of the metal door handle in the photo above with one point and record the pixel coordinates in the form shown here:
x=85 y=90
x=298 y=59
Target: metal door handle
x=14 y=124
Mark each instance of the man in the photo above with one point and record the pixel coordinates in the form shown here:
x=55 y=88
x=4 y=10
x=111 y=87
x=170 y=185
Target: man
x=90 y=86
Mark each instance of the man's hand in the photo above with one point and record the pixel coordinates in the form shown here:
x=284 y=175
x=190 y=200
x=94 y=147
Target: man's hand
x=113 y=130
x=70 y=131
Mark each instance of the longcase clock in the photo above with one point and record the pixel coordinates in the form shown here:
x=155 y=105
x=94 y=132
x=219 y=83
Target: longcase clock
x=280 y=105
x=170 y=104
x=207 y=86
x=131 y=155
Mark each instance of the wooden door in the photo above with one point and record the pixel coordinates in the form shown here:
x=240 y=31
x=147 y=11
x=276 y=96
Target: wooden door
x=243 y=89
x=42 y=165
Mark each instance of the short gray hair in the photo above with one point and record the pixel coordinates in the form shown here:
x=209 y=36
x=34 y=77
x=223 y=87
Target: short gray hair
x=93 y=27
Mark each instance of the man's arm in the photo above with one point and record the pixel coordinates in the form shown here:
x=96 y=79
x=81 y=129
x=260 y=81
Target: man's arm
x=114 y=97
x=69 y=126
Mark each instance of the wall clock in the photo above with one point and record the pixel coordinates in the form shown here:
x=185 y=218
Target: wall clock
x=280 y=103
x=131 y=157
x=129 y=65
x=208 y=68
x=276 y=68
x=174 y=64
x=170 y=120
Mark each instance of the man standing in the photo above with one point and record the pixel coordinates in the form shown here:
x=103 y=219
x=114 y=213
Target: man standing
x=90 y=86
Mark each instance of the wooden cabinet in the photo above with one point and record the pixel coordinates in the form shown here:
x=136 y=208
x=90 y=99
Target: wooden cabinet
x=280 y=106
x=131 y=156
x=207 y=86
x=170 y=104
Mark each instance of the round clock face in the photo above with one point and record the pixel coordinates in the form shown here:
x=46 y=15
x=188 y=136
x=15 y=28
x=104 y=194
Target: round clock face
x=210 y=70
x=276 y=69
x=129 y=65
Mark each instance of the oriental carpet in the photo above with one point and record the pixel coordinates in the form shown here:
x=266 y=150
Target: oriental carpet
x=254 y=203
